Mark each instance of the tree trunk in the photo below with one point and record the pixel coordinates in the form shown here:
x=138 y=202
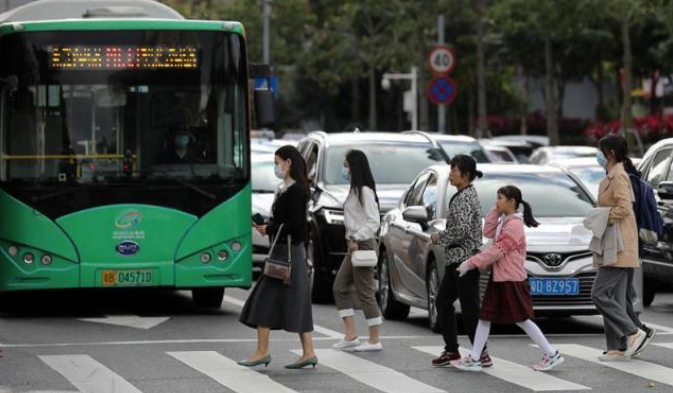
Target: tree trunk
x=561 y=88
x=482 y=125
x=550 y=90
x=372 y=99
x=355 y=100
x=523 y=78
x=470 y=113
x=628 y=83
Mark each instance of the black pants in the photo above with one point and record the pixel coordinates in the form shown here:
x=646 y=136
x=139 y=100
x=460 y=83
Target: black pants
x=466 y=289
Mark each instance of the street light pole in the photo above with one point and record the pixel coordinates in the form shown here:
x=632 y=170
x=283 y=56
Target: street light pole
x=413 y=77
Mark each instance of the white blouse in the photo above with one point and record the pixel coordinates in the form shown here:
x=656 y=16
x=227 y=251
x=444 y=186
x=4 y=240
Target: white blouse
x=362 y=220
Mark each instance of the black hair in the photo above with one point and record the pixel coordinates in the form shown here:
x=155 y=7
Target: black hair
x=620 y=147
x=512 y=192
x=361 y=173
x=297 y=166
x=467 y=165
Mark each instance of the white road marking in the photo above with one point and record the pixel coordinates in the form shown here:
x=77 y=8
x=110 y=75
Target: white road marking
x=370 y=373
x=664 y=345
x=332 y=334
x=132 y=321
x=87 y=375
x=639 y=368
x=661 y=329
x=229 y=374
x=517 y=374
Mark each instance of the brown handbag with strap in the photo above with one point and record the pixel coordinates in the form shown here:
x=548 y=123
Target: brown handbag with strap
x=276 y=268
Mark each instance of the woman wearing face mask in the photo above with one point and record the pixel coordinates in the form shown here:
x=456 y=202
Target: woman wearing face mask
x=624 y=333
x=362 y=220
x=273 y=304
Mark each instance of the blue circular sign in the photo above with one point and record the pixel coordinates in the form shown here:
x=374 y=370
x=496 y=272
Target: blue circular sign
x=442 y=90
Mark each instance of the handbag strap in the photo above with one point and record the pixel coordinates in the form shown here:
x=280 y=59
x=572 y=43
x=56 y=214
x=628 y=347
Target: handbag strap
x=289 y=248
x=275 y=240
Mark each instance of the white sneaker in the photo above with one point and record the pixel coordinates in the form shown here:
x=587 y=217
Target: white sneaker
x=367 y=347
x=344 y=344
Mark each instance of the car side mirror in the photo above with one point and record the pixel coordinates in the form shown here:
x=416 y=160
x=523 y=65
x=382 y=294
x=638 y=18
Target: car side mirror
x=665 y=190
x=265 y=108
x=416 y=214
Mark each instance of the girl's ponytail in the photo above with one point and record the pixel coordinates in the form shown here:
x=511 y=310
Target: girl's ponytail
x=528 y=218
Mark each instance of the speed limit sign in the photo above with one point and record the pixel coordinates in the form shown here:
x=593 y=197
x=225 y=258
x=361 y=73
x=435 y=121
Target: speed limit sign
x=442 y=59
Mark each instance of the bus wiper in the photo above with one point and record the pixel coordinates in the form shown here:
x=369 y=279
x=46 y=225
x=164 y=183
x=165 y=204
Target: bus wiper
x=60 y=193
x=182 y=182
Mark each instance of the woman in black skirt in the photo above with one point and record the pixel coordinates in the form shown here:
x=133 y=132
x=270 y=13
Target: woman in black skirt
x=507 y=298
x=273 y=304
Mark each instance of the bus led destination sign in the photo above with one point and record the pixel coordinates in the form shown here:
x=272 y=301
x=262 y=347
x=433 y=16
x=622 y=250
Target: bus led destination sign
x=111 y=57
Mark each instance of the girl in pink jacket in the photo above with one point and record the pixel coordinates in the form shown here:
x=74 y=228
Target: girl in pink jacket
x=507 y=297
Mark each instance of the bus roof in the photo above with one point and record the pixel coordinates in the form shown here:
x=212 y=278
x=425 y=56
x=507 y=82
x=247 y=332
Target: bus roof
x=88 y=9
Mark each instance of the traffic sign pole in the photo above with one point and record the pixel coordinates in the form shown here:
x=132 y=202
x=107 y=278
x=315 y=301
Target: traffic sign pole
x=441 y=110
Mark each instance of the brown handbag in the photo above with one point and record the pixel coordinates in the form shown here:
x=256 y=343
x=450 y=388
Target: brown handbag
x=276 y=268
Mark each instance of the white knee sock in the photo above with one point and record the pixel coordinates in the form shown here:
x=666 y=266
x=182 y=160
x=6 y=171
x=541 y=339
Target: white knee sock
x=480 y=337
x=534 y=332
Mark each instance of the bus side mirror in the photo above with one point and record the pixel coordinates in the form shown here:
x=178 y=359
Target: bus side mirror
x=265 y=108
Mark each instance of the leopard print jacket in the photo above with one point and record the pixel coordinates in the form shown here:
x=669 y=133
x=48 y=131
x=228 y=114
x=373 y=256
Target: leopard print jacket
x=463 y=234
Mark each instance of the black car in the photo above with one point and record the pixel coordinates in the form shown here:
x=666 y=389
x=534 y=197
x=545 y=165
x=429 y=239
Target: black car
x=395 y=160
x=658 y=259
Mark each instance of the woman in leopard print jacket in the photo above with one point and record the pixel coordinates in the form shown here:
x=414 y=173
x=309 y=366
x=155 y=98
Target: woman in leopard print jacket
x=461 y=240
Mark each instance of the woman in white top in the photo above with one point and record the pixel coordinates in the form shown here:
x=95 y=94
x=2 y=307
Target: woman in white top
x=362 y=220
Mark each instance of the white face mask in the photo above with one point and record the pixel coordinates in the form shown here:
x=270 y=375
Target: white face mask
x=278 y=170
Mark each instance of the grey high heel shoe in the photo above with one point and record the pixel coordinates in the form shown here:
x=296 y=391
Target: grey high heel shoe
x=313 y=361
x=252 y=363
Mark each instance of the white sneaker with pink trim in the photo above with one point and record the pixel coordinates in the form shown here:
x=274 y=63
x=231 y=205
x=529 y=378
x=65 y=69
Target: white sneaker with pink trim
x=548 y=362
x=467 y=364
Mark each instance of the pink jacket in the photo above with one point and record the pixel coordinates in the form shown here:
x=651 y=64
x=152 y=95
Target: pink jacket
x=508 y=253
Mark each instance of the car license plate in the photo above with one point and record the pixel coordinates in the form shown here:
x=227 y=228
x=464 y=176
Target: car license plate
x=554 y=286
x=126 y=277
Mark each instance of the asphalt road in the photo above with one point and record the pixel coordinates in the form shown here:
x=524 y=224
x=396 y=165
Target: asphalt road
x=158 y=342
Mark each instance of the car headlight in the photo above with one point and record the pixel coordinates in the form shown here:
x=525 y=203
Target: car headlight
x=333 y=217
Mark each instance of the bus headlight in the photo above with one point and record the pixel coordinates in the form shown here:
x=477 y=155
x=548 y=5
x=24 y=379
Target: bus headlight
x=28 y=258
x=46 y=259
x=205 y=257
x=222 y=255
x=13 y=250
x=236 y=246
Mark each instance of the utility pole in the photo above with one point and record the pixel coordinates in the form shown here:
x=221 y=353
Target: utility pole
x=441 y=109
x=266 y=15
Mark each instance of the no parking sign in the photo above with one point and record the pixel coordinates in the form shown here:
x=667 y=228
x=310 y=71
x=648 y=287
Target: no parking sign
x=442 y=90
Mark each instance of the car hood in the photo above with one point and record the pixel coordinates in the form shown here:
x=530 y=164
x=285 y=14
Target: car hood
x=388 y=195
x=564 y=234
x=261 y=203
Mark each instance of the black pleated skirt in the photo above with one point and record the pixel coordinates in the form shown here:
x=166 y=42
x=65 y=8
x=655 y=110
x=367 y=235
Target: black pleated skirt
x=277 y=306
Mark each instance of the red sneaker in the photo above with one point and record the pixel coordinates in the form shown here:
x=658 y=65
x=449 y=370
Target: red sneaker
x=444 y=360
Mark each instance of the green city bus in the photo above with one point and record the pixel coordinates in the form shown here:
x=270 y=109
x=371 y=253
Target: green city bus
x=124 y=149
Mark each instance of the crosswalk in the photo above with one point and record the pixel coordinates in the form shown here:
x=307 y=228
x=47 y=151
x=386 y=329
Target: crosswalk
x=87 y=374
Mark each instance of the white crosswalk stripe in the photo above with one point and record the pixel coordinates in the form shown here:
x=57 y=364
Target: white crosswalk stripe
x=229 y=374
x=664 y=345
x=517 y=374
x=87 y=375
x=370 y=373
x=649 y=371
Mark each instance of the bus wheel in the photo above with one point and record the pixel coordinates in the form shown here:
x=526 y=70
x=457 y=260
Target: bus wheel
x=208 y=297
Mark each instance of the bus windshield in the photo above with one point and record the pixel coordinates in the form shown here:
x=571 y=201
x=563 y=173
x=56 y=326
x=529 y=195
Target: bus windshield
x=134 y=105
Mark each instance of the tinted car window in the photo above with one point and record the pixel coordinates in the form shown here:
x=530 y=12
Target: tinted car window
x=658 y=167
x=390 y=163
x=416 y=193
x=550 y=195
x=591 y=177
x=430 y=197
x=473 y=149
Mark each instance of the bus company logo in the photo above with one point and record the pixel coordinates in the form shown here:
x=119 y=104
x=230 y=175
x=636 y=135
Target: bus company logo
x=127 y=248
x=128 y=219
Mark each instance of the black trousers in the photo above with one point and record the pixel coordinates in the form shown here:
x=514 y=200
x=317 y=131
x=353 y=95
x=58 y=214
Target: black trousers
x=466 y=290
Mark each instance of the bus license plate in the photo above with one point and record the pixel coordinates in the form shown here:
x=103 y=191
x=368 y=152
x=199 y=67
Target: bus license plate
x=126 y=277
x=554 y=286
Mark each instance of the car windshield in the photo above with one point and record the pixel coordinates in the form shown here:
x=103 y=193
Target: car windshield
x=391 y=163
x=549 y=194
x=264 y=179
x=591 y=177
x=473 y=149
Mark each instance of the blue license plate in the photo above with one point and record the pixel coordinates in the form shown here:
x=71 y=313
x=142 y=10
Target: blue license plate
x=554 y=286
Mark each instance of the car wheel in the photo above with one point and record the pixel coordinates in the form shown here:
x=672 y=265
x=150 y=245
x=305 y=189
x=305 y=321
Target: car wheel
x=432 y=285
x=649 y=291
x=321 y=285
x=390 y=307
x=208 y=297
